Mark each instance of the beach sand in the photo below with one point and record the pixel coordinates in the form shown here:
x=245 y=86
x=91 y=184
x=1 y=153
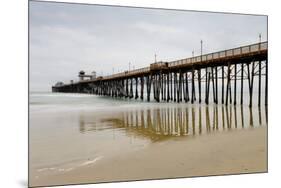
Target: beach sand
x=227 y=152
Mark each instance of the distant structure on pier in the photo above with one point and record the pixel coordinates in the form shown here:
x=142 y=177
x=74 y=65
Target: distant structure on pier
x=81 y=75
x=91 y=76
x=59 y=84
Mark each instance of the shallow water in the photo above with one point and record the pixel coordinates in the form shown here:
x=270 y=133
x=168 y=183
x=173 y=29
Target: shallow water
x=67 y=131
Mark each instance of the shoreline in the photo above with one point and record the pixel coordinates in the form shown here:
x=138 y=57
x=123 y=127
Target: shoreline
x=233 y=152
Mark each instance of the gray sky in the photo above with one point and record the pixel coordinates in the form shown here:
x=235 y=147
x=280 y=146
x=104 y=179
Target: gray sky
x=67 y=38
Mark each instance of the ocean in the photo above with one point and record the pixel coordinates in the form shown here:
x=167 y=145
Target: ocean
x=68 y=131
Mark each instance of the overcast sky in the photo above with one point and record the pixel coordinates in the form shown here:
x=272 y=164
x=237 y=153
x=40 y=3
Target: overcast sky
x=67 y=38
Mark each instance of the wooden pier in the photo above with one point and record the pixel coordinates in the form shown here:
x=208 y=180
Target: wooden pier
x=182 y=80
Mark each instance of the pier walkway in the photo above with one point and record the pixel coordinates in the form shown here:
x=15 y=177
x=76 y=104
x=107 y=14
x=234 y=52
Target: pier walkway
x=184 y=79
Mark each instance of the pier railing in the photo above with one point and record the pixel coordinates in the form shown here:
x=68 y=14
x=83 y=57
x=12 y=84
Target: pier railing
x=221 y=54
x=240 y=51
x=215 y=56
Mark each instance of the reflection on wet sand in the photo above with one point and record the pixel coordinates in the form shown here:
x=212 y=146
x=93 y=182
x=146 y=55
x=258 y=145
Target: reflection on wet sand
x=166 y=122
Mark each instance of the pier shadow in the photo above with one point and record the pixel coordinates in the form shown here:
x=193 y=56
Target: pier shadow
x=157 y=124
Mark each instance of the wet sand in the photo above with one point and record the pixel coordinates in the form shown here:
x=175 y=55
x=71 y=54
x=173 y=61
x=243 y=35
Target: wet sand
x=230 y=152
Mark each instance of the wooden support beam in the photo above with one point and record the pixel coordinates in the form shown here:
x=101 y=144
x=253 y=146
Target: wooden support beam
x=200 y=120
x=208 y=87
x=249 y=78
x=131 y=89
x=142 y=86
x=184 y=87
x=148 y=88
x=192 y=87
x=157 y=83
x=230 y=89
x=175 y=87
x=235 y=80
x=127 y=87
x=153 y=85
x=222 y=85
x=115 y=88
x=137 y=94
x=199 y=84
x=162 y=85
x=206 y=84
x=216 y=71
x=266 y=82
x=228 y=85
x=259 y=95
x=171 y=84
x=252 y=84
x=109 y=86
x=168 y=87
x=242 y=81
x=187 y=87
x=180 y=87
x=213 y=83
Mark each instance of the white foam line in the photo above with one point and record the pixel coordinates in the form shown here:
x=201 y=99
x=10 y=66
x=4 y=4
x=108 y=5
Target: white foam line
x=44 y=169
x=69 y=169
x=92 y=161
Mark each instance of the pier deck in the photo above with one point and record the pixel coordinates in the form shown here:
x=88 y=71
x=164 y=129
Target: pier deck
x=176 y=80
